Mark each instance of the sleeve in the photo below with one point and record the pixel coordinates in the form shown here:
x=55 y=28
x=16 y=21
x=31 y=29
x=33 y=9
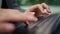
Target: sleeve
x=56 y=27
x=13 y=5
x=0 y=3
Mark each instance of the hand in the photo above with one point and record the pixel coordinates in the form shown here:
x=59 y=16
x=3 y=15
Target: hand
x=7 y=15
x=30 y=16
x=40 y=9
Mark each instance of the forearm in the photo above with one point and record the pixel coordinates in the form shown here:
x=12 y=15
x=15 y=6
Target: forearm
x=11 y=15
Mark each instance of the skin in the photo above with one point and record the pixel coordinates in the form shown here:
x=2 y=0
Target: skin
x=12 y=15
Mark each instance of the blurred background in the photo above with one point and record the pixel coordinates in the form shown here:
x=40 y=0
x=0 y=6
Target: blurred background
x=53 y=4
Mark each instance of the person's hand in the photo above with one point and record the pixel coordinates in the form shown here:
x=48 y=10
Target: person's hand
x=40 y=9
x=30 y=16
x=9 y=15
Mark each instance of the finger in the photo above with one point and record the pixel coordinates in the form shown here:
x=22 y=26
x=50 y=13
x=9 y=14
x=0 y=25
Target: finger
x=27 y=23
x=6 y=27
x=46 y=13
x=46 y=7
x=41 y=10
x=32 y=18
